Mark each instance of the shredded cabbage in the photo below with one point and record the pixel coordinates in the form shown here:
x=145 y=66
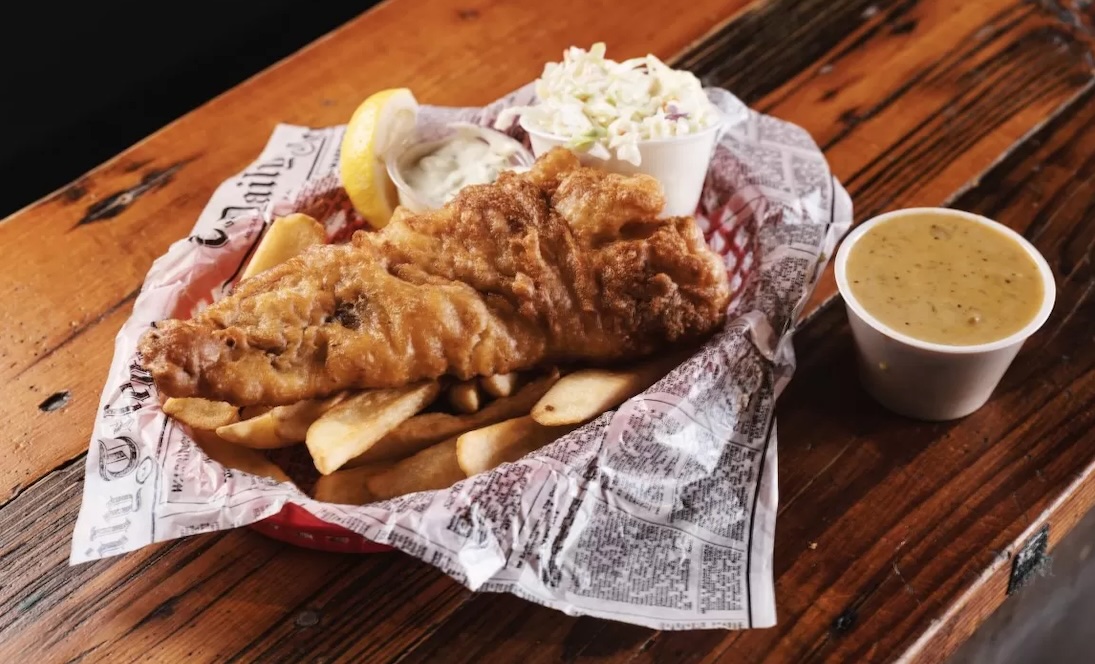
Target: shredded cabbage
x=601 y=106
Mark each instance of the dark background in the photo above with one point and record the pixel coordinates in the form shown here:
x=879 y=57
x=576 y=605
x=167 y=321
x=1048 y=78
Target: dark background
x=83 y=81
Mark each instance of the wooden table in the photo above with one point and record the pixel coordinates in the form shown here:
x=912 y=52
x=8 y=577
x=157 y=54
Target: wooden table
x=895 y=538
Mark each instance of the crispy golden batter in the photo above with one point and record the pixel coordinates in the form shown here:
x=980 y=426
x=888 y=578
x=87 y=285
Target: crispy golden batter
x=560 y=264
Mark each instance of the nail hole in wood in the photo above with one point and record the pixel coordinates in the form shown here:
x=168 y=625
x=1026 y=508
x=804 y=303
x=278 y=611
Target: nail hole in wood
x=844 y=622
x=55 y=401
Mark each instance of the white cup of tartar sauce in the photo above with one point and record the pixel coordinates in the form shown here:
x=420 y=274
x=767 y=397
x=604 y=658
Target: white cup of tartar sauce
x=939 y=302
x=427 y=175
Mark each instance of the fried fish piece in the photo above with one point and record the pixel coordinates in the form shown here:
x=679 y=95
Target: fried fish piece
x=560 y=264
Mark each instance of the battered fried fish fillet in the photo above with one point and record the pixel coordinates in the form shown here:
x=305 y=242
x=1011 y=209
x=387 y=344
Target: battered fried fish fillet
x=559 y=264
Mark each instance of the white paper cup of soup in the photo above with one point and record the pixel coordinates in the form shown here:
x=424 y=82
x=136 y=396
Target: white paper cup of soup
x=939 y=301
x=679 y=163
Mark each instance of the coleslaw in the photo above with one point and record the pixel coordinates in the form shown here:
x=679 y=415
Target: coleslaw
x=603 y=107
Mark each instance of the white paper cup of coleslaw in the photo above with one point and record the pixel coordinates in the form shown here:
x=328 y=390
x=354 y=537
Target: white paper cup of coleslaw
x=925 y=380
x=679 y=163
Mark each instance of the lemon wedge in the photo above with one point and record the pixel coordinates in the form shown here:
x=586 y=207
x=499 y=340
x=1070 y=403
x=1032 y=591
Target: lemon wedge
x=381 y=123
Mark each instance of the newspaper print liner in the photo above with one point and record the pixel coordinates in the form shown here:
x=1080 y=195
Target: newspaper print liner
x=661 y=513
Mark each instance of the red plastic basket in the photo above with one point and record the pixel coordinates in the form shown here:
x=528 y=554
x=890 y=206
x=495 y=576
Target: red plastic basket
x=296 y=525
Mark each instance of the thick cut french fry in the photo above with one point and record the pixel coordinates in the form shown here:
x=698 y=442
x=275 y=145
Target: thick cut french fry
x=583 y=395
x=500 y=385
x=260 y=433
x=201 y=413
x=294 y=420
x=422 y=431
x=347 y=486
x=356 y=424
x=482 y=449
x=432 y=468
x=464 y=397
x=240 y=458
x=287 y=237
x=281 y=426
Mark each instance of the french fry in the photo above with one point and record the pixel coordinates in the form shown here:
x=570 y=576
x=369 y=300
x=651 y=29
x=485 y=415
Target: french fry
x=280 y=426
x=260 y=433
x=464 y=397
x=422 y=431
x=500 y=385
x=233 y=456
x=583 y=395
x=432 y=468
x=356 y=424
x=347 y=486
x=201 y=413
x=482 y=449
x=295 y=420
x=287 y=237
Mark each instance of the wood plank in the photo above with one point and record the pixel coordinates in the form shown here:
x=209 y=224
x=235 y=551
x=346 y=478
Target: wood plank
x=116 y=220
x=238 y=609
x=46 y=435
x=204 y=598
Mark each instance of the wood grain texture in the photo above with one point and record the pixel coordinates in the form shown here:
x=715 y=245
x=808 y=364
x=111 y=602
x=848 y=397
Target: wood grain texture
x=916 y=102
x=204 y=598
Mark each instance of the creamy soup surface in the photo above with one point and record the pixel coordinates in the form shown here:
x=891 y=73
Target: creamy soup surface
x=944 y=279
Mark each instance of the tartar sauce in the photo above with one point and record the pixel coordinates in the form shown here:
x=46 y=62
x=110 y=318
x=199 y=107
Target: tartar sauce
x=460 y=161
